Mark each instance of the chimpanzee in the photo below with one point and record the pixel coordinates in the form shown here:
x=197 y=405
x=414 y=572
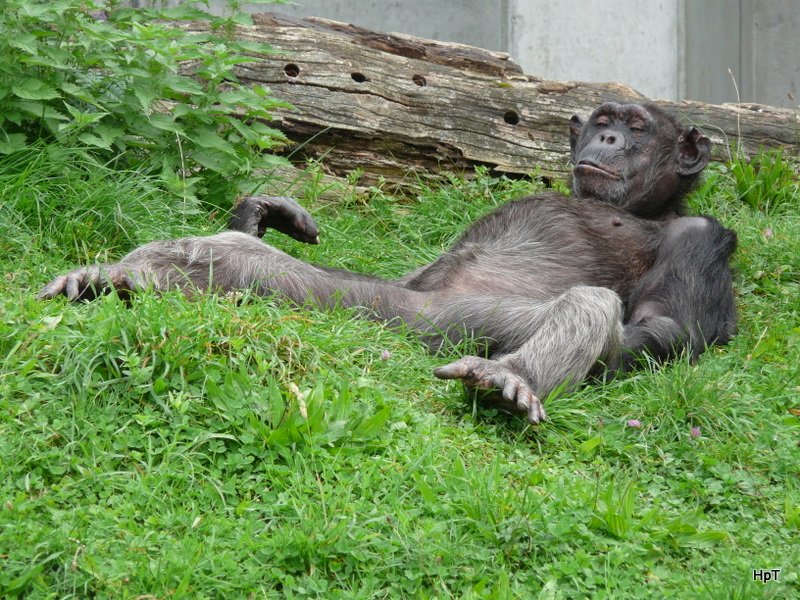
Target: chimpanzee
x=553 y=286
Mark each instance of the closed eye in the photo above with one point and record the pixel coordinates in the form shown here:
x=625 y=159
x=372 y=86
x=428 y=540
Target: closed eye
x=638 y=127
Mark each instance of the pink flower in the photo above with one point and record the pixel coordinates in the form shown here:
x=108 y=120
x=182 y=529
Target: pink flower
x=694 y=432
x=768 y=232
x=386 y=355
x=635 y=423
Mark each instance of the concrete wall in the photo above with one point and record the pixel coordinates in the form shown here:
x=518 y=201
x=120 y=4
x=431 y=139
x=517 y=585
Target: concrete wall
x=668 y=49
x=630 y=41
x=479 y=23
x=771 y=67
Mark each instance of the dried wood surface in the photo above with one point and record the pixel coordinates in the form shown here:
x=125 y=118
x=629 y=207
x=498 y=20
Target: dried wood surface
x=390 y=103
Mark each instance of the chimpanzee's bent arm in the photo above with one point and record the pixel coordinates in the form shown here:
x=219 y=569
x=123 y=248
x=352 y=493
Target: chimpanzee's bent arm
x=686 y=301
x=254 y=214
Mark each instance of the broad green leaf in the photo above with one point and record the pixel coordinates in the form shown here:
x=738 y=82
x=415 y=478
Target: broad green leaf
x=94 y=140
x=12 y=142
x=165 y=123
x=182 y=85
x=145 y=92
x=184 y=12
x=234 y=96
x=39 y=110
x=24 y=41
x=370 y=427
x=81 y=93
x=209 y=139
x=84 y=118
x=590 y=444
x=35 y=89
x=242 y=19
x=425 y=490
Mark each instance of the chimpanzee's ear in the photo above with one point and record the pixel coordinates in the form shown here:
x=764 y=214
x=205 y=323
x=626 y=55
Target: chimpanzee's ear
x=694 y=151
x=575 y=127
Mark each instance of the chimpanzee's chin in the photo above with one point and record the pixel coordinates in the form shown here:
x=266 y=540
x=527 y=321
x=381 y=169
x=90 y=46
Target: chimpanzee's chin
x=597 y=185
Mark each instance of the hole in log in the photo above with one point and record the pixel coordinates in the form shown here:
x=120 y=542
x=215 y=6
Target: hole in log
x=359 y=77
x=419 y=80
x=291 y=70
x=511 y=117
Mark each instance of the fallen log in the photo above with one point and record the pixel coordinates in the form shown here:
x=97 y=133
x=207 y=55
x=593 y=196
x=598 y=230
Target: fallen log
x=390 y=104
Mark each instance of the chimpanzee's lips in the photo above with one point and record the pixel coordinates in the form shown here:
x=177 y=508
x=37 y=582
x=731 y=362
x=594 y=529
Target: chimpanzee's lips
x=591 y=168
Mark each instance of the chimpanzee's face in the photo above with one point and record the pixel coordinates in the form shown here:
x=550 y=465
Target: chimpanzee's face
x=633 y=156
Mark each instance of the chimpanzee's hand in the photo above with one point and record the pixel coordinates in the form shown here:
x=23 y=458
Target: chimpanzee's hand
x=506 y=388
x=254 y=214
x=87 y=283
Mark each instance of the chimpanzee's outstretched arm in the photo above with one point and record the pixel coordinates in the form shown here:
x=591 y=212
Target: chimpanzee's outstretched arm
x=232 y=261
x=255 y=214
x=686 y=301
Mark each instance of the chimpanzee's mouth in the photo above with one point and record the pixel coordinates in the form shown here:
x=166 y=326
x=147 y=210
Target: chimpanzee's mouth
x=589 y=167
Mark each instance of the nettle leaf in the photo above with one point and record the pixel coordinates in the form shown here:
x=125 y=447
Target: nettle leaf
x=249 y=135
x=242 y=19
x=214 y=160
x=14 y=116
x=83 y=118
x=12 y=142
x=103 y=136
x=258 y=47
x=51 y=56
x=182 y=85
x=145 y=92
x=234 y=96
x=35 y=89
x=94 y=140
x=208 y=138
x=30 y=9
x=166 y=122
x=40 y=110
x=24 y=41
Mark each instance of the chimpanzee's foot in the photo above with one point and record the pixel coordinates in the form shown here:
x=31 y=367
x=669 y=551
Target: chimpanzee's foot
x=254 y=214
x=507 y=388
x=87 y=283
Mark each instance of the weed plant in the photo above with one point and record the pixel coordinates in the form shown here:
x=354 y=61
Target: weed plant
x=131 y=87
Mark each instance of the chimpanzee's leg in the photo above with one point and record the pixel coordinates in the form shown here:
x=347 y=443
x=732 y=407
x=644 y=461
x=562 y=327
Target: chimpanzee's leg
x=539 y=345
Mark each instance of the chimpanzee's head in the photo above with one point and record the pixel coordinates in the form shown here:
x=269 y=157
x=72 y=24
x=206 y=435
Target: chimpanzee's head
x=636 y=156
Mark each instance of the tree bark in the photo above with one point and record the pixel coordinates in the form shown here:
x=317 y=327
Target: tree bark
x=390 y=104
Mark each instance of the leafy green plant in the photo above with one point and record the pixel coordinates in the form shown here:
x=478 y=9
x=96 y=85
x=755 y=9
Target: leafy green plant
x=765 y=182
x=151 y=86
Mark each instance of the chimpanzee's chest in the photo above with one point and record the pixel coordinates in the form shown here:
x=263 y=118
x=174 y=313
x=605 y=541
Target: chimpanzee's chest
x=543 y=257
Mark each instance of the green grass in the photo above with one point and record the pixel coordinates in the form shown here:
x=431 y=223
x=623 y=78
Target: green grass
x=215 y=448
